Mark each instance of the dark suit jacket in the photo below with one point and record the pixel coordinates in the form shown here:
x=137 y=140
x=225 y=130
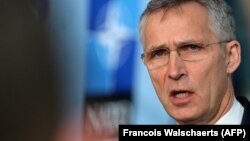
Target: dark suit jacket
x=246 y=104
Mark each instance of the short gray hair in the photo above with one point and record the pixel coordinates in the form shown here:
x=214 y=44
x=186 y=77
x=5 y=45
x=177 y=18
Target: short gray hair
x=220 y=15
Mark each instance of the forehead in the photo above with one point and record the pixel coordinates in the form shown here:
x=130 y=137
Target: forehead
x=188 y=21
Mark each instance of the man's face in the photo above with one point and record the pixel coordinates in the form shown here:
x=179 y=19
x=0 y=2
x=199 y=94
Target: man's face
x=190 y=91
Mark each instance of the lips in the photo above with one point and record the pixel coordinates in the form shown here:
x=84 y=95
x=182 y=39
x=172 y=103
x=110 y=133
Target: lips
x=180 y=97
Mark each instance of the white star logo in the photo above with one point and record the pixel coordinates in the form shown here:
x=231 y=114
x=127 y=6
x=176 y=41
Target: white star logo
x=113 y=35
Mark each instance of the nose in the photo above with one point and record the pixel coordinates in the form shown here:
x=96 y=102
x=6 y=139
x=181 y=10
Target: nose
x=176 y=68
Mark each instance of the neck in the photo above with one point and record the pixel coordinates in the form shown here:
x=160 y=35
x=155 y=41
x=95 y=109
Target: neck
x=226 y=103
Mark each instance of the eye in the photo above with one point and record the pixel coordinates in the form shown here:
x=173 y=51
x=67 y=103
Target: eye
x=158 y=53
x=191 y=48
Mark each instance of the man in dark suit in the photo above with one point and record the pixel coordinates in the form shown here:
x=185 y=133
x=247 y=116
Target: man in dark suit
x=246 y=104
x=191 y=52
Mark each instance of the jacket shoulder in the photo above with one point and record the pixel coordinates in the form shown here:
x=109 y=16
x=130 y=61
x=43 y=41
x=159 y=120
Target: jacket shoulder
x=246 y=104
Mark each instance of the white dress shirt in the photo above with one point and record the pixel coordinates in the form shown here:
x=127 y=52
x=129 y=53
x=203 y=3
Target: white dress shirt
x=233 y=116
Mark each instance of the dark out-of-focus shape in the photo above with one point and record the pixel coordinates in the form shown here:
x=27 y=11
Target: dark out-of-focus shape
x=28 y=98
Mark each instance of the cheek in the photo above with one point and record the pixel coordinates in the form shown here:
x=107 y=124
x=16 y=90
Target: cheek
x=209 y=79
x=158 y=78
x=199 y=78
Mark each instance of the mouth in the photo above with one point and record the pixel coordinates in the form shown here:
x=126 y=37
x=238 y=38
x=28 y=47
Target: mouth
x=181 y=96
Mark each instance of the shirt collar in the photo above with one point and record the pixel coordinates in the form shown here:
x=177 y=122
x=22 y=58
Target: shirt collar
x=234 y=115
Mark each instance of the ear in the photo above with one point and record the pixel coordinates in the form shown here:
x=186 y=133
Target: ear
x=233 y=52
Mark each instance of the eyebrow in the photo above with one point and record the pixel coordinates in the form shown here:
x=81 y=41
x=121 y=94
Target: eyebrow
x=152 y=48
x=159 y=47
x=177 y=44
x=187 y=42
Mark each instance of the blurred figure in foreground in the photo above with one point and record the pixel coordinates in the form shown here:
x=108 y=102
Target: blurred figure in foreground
x=28 y=95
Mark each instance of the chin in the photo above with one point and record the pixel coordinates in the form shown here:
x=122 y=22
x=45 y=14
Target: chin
x=186 y=118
